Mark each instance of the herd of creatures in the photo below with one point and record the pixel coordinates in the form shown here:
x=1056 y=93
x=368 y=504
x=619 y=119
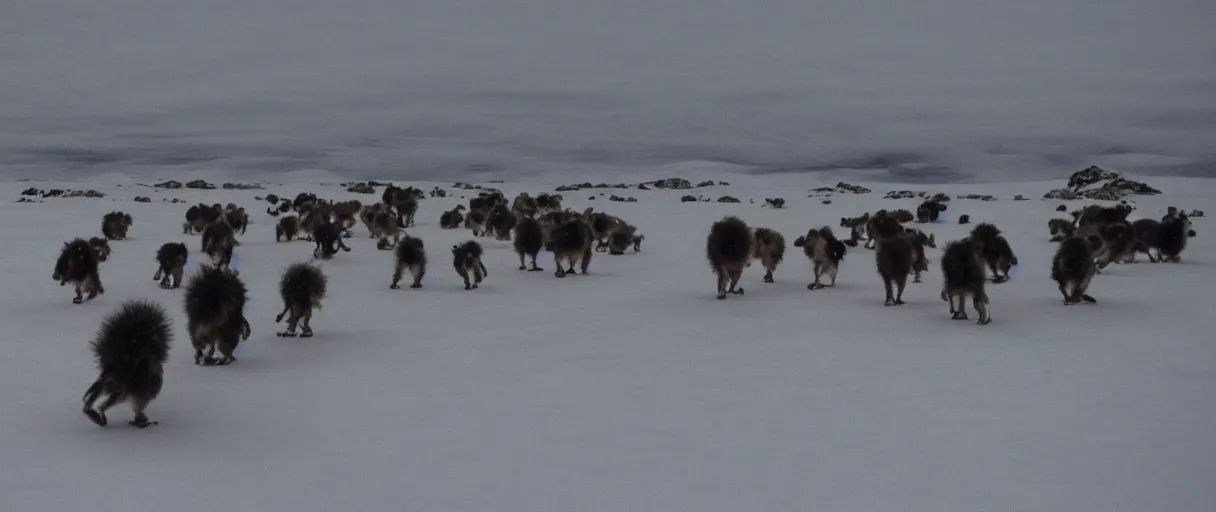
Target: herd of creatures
x=132 y=344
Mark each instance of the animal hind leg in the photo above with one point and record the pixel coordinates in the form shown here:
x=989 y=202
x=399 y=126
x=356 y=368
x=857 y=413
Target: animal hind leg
x=901 y=282
x=421 y=271
x=816 y=285
x=534 y=267
x=109 y=402
x=735 y=275
x=1081 y=291
x=90 y=396
x=586 y=261
x=980 y=301
x=557 y=261
x=141 y=420
x=723 y=279
x=397 y=273
x=768 y=268
x=306 y=329
x=79 y=295
x=464 y=274
x=886 y=284
x=521 y=261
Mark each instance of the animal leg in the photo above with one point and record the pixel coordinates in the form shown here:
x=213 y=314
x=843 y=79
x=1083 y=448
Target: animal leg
x=397 y=272
x=886 y=283
x=723 y=279
x=420 y=271
x=141 y=420
x=177 y=276
x=521 y=262
x=159 y=271
x=768 y=269
x=534 y=267
x=306 y=329
x=900 y=282
x=816 y=285
x=557 y=262
x=90 y=396
x=464 y=274
x=586 y=261
x=981 y=308
x=109 y=402
x=735 y=275
x=79 y=295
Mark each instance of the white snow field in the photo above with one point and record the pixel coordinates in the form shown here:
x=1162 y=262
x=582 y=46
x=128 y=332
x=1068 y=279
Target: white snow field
x=630 y=389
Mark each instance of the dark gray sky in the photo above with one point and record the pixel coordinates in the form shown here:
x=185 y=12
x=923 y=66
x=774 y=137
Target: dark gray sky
x=932 y=89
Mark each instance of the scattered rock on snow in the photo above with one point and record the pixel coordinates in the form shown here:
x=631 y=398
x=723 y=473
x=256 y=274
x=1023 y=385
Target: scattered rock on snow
x=169 y=184
x=200 y=185
x=143 y=199
x=1061 y=208
x=1100 y=184
x=688 y=199
x=672 y=184
x=1020 y=197
x=360 y=188
x=964 y=219
x=1089 y=176
x=728 y=199
x=241 y=186
x=1195 y=213
x=31 y=192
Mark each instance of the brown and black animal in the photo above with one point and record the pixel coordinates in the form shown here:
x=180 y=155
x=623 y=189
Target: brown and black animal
x=466 y=258
x=894 y=253
x=114 y=225
x=825 y=252
x=312 y=216
x=171 y=263
x=304 y=201
x=346 y=214
x=383 y=225
x=199 y=216
x=920 y=262
x=546 y=203
x=410 y=256
x=903 y=216
x=215 y=302
x=328 y=239
x=995 y=250
x=287 y=228
x=963 y=273
x=1172 y=236
x=1072 y=268
x=452 y=219
x=476 y=222
x=101 y=247
x=130 y=351
x=571 y=241
x=236 y=217
x=768 y=246
x=302 y=288
x=406 y=208
x=1118 y=244
x=502 y=221
x=929 y=211
x=523 y=205
x=218 y=243
x=602 y=225
x=1061 y=229
x=620 y=239
x=77 y=264
x=729 y=248
x=774 y=202
x=529 y=240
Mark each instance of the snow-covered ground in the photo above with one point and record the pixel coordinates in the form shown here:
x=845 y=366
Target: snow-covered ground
x=628 y=389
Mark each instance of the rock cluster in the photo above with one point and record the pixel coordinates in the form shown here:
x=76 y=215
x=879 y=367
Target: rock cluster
x=240 y=186
x=620 y=199
x=199 y=185
x=728 y=199
x=55 y=192
x=841 y=187
x=1096 y=183
x=361 y=187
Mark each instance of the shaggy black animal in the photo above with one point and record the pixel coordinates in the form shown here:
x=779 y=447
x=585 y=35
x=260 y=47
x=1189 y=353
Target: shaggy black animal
x=130 y=349
x=619 y=240
x=1172 y=236
x=729 y=249
x=237 y=218
x=963 y=271
x=301 y=288
x=287 y=228
x=215 y=302
x=452 y=219
x=218 y=242
x=894 y=254
x=328 y=239
x=77 y=264
x=529 y=240
x=466 y=258
x=929 y=211
x=1073 y=267
x=114 y=225
x=501 y=220
x=406 y=209
x=410 y=255
x=1118 y=243
x=571 y=241
x=768 y=246
x=101 y=248
x=199 y=216
x=171 y=263
x=995 y=251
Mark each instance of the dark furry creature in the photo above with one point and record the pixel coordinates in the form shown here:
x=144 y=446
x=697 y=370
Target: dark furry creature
x=171 y=263
x=825 y=252
x=729 y=249
x=406 y=209
x=963 y=271
x=237 y=218
x=529 y=240
x=1145 y=231
x=410 y=255
x=768 y=247
x=77 y=264
x=1061 y=229
x=199 y=216
x=476 y=222
x=218 y=242
x=301 y=288
x=130 y=349
x=466 y=258
x=501 y=220
x=1172 y=236
x=215 y=302
x=920 y=262
x=114 y=225
x=571 y=241
x=894 y=256
x=328 y=239
x=452 y=219
x=929 y=211
x=287 y=228
x=1118 y=244
x=995 y=250
x=1072 y=268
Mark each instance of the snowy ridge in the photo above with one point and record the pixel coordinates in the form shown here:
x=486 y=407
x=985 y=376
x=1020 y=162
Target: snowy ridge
x=631 y=388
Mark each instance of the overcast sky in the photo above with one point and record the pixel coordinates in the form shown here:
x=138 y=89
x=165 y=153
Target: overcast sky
x=931 y=89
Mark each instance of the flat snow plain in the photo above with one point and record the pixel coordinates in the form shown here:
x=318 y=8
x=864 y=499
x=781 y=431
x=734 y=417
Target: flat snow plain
x=628 y=389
